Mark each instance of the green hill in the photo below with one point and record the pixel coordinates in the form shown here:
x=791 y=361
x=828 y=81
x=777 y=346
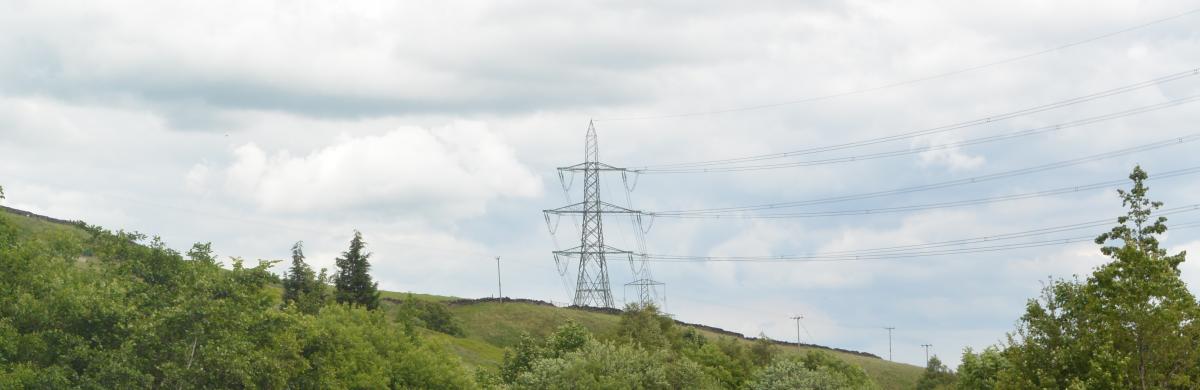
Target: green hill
x=490 y=326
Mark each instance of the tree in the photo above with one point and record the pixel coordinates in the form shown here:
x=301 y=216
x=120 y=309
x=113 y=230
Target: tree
x=642 y=324
x=141 y=315
x=429 y=315
x=763 y=350
x=353 y=279
x=568 y=337
x=301 y=287
x=981 y=371
x=603 y=365
x=1131 y=324
x=816 y=370
x=936 y=376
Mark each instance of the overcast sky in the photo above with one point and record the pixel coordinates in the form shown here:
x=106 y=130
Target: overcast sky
x=435 y=128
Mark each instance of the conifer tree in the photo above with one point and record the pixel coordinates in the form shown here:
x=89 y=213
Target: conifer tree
x=301 y=287
x=353 y=278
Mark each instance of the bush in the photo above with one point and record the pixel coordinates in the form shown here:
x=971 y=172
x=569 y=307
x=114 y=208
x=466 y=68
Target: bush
x=816 y=370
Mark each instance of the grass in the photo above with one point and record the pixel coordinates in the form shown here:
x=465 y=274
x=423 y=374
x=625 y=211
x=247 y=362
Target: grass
x=492 y=326
x=424 y=297
x=32 y=226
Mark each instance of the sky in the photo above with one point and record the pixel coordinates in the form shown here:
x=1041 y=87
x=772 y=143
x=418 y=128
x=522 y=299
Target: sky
x=435 y=128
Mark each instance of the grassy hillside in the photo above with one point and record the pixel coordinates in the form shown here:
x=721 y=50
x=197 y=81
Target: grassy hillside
x=492 y=326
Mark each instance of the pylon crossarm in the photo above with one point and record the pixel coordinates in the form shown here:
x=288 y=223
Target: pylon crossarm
x=607 y=250
x=645 y=282
x=583 y=207
x=597 y=166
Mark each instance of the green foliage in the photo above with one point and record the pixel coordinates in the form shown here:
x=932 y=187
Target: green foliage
x=643 y=325
x=981 y=371
x=816 y=370
x=727 y=361
x=1131 y=324
x=431 y=315
x=937 y=376
x=140 y=315
x=353 y=279
x=763 y=350
x=353 y=348
x=135 y=314
x=604 y=365
x=572 y=358
x=303 y=288
x=569 y=337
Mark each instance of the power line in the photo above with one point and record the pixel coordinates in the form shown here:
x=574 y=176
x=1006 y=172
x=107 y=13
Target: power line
x=884 y=256
x=963 y=181
x=912 y=81
x=919 y=207
x=1000 y=237
x=939 y=129
x=928 y=148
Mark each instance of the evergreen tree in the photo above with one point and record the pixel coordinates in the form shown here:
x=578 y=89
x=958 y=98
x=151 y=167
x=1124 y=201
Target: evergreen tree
x=301 y=287
x=353 y=280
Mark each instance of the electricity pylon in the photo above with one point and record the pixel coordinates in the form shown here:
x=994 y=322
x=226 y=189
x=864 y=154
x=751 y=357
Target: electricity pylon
x=591 y=286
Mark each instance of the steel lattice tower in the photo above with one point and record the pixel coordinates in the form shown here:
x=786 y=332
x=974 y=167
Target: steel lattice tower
x=592 y=287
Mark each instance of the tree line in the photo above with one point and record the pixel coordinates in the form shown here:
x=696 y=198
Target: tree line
x=119 y=309
x=108 y=309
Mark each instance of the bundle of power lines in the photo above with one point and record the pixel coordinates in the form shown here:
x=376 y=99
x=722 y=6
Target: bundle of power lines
x=996 y=242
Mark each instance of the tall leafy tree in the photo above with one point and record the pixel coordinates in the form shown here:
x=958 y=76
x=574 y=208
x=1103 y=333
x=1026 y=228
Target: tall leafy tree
x=1131 y=324
x=353 y=279
x=301 y=287
x=936 y=376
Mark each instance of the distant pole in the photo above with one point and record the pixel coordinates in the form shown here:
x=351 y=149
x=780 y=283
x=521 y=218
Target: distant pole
x=797 y=318
x=890 y=329
x=926 y=353
x=499 y=288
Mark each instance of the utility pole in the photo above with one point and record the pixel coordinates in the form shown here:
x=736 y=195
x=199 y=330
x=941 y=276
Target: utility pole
x=890 y=329
x=591 y=286
x=798 y=318
x=926 y=353
x=499 y=287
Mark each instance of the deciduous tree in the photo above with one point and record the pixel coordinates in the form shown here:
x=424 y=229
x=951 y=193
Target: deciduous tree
x=1131 y=324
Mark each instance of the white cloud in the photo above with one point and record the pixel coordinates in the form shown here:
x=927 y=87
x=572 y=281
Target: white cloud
x=1189 y=271
x=86 y=87
x=196 y=179
x=954 y=159
x=452 y=171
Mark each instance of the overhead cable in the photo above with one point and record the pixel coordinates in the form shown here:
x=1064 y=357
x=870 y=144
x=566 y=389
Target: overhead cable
x=939 y=129
x=956 y=182
x=911 y=81
x=920 y=207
